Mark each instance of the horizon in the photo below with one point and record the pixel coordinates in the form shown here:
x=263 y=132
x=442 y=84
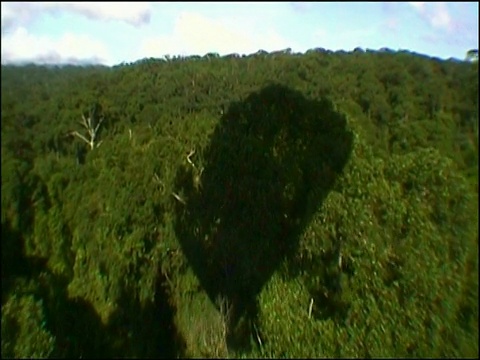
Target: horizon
x=109 y=34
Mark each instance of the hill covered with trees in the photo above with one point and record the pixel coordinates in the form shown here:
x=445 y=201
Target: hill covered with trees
x=273 y=205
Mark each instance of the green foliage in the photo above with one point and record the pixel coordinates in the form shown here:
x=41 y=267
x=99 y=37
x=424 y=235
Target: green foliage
x=286 y=329
x=203 y=326
x=271 y=205
x=388 y=264
x=472 y=55
x=23 y=329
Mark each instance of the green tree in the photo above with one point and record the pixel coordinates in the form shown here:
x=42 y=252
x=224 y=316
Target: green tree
x=472 y=55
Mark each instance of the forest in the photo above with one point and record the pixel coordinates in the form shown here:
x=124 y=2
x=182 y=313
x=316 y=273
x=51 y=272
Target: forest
x=319 y=204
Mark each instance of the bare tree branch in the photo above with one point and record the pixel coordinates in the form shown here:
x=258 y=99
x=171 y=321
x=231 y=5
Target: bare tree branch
x=258 y=335
x=92 y=131
x=76 y=133
x=98 y=125
x=179 y=198
x=190 y=155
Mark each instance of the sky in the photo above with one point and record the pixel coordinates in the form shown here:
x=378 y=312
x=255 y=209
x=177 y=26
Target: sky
x=110 y=33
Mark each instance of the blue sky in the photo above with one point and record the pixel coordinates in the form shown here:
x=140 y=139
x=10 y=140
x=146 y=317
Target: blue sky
x=111 y=33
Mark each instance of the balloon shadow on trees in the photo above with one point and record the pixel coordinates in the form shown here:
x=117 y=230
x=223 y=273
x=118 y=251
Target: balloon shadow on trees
x=269 y=165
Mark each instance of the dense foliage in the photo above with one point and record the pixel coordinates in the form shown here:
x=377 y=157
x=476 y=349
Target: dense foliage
x=272 y=205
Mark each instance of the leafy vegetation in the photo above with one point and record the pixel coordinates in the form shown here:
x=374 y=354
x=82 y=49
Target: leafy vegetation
x=271 y=205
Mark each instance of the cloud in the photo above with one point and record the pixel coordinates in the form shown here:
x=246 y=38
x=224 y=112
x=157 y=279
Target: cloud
x=133 y=13
x=301 y=6
x=197 y=34
x=21 y=46
x=450 y=24
x=417 y=5
x=22 y=14
x=435 y=14
x=391 y=24
x=16 y=15
x=391 y=20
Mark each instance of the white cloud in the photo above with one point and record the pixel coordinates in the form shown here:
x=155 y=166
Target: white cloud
x=440 y=17
x=391 y=24
x=15 y=15
x=435 y=14
x=391 y=20
x=22 y=14
x=197 y=34
x=21 y=46
x=450 y=24
x=417 y=5
x=301 y=6
x=133 y=13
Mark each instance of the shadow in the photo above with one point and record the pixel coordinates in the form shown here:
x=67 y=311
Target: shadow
x=77 y=329
x=269 y=165
x=134 y=330
x=146 y=330
x=76 y=326
x=325 y=288
x=14 y=263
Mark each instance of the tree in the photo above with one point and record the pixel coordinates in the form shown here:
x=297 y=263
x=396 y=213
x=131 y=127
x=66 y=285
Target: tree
x=472 y=55
x=92 y=125
x=392 y=247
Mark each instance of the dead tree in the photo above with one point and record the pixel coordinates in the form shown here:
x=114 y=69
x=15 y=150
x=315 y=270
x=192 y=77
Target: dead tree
x=92 y=127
